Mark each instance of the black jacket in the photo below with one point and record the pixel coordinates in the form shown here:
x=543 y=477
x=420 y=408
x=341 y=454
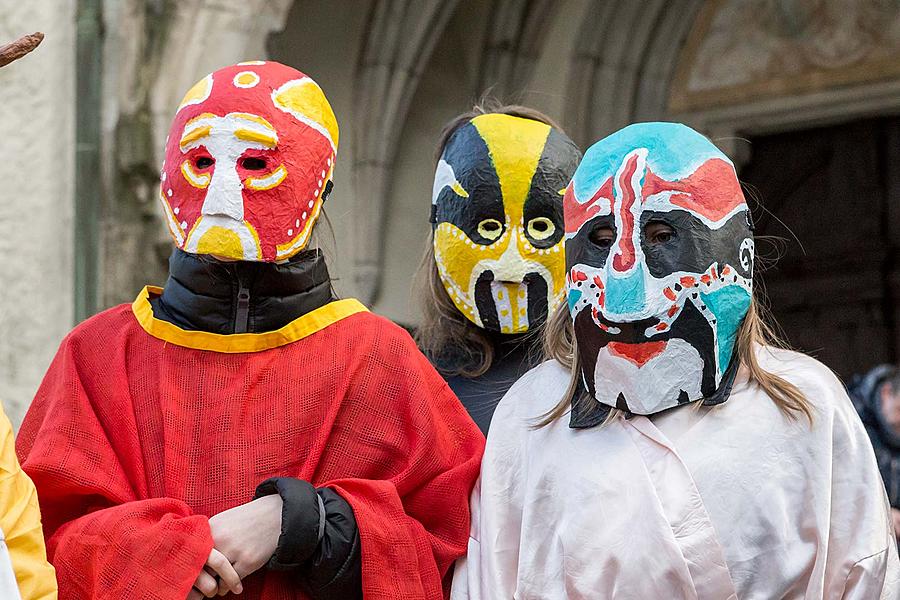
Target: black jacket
x=514 y=355
x=319 y=539
x=865 y=392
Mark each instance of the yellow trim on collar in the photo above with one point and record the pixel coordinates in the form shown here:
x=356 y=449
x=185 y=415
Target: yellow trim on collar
x=297 y=329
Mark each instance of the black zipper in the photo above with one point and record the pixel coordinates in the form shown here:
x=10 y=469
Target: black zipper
x=242 y=314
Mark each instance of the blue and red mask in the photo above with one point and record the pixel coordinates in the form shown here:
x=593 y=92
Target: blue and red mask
x=659 y=257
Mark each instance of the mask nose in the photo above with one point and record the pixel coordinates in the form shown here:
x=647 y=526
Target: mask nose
x=625 y=295
x=224 y=197
x=627 y=206
x=623 y=259
x=511 y=265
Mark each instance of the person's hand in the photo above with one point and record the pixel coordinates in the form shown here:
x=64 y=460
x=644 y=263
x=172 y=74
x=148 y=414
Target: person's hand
x=206 y=586
x=895 y=519
x=248 y=534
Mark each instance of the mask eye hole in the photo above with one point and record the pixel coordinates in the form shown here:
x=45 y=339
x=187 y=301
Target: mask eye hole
x=204 y=162
x=656 y=232
x=490 y=229
x=253 y=163
x=540 y=228
x=602 y=236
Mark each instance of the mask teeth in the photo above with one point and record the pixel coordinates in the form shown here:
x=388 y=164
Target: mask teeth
x=603 y=326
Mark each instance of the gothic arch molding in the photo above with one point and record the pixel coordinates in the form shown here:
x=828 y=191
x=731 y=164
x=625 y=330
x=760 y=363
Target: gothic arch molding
x=624 y=61
x=844 y=65
x=399 y=41
x=515 y=38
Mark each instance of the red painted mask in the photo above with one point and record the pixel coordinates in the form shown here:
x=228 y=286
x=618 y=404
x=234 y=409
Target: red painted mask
x=248 y=159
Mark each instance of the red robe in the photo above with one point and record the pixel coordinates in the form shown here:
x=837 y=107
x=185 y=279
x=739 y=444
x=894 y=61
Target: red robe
x=137 y=436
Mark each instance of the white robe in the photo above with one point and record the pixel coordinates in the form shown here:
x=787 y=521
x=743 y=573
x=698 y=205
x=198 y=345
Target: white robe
x=9 y=588
x=735 y=501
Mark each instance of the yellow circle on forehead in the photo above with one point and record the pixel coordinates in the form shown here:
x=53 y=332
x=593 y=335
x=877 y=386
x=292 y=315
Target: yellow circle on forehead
x=246 y=79
x=515 y=145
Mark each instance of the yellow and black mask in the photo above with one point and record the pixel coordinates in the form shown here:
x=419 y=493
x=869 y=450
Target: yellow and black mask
x=498 y=222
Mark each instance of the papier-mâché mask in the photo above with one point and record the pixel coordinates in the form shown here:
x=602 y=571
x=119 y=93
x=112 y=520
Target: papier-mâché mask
x=249 y=159
x=497 y=216
x=659 y=252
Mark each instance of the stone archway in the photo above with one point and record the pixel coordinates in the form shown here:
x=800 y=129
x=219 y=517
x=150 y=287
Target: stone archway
x=797 y=63
x=515 y=38
x=623 y=64
x=399 y=40
x=760 y=67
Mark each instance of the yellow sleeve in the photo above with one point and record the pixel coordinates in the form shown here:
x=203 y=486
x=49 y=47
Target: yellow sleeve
x=20 y=522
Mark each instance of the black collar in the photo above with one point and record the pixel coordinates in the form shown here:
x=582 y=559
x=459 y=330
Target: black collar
x=204 y=294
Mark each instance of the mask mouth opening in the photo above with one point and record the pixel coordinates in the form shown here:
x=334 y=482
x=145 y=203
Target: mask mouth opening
x=631 y=332
x=629 y=340
x=511 y=306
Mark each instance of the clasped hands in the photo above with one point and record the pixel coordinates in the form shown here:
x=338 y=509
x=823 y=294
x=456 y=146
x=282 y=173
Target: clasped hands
x=244 y=539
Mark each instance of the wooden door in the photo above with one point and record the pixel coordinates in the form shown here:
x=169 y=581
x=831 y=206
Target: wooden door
x=832 y=196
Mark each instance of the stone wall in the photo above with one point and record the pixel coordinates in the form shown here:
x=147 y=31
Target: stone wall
x=37 y=121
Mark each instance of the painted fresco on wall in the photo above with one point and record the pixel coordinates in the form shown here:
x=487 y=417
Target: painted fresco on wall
x=742 y=50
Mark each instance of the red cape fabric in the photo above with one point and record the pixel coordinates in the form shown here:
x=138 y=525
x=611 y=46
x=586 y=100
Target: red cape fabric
x=132 y=442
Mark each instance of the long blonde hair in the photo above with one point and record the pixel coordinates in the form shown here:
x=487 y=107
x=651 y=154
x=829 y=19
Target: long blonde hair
x=756 y=329
x=451 y=341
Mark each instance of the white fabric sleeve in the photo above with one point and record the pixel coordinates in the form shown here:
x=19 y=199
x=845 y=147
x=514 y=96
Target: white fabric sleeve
x=877 y=576
x=490 y=569
x=9 y=589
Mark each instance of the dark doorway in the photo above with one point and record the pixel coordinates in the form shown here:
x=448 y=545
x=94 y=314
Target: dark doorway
x=833 y=195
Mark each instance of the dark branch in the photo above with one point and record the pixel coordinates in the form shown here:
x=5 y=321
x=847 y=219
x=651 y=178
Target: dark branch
x=19 y=48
